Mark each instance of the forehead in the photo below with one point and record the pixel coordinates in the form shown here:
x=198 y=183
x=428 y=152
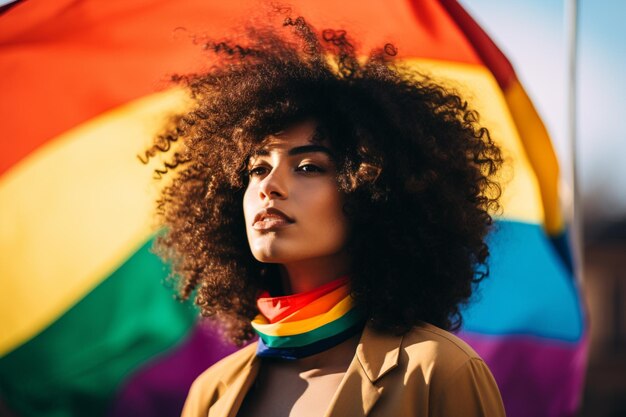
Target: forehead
x=299 y=134
x=297 y=139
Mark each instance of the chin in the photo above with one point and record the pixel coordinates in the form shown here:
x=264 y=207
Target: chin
x=278 y=254
x=269 y=254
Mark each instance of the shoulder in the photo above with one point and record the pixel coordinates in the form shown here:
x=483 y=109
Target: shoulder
x=431 y=342
x=227 y=368
x=425 y=350
x=459 y=381
x=429 y=371
x=212 y=383
x=438 y=355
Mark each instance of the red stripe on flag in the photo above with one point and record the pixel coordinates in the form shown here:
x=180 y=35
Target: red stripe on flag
x=489 y=53
x=65 y=62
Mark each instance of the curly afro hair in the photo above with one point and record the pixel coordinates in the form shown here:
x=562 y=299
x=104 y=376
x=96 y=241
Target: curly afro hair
x=414 y=165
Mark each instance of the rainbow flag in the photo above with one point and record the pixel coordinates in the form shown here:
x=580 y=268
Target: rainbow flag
x=87 y=326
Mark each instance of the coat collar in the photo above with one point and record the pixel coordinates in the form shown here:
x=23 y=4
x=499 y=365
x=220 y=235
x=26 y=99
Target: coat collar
x=376 y=355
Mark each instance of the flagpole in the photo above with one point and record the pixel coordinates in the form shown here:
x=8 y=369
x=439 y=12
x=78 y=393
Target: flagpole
x=577 y=236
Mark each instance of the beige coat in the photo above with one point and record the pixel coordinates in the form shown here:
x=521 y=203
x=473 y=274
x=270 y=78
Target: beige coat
x=426 y=372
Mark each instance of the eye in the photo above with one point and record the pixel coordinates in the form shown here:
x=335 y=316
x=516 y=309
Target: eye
x=257 y=171
x=309 y=168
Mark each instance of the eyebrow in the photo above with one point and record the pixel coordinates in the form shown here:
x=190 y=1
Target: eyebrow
x=300 y=150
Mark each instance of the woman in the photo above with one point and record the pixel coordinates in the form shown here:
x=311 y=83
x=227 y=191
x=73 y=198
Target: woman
x=337 y=208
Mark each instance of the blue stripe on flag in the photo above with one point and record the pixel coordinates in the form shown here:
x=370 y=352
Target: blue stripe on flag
x=529 y=291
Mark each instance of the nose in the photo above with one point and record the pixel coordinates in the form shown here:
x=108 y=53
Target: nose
x=273 y=186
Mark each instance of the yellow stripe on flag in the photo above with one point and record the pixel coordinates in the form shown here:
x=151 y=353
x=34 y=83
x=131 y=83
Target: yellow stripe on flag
x=521 y=198
x=539 y=149
x=72 y=212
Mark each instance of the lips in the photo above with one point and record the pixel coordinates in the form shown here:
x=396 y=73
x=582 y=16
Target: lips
x=271 y=218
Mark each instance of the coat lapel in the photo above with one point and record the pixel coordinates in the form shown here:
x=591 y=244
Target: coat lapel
x=235 y=389
x=376 y=355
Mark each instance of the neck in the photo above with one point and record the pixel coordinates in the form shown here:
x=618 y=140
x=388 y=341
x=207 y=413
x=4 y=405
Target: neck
x=306 y=275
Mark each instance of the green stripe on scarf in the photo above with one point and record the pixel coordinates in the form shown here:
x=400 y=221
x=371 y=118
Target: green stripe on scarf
x=334 y=327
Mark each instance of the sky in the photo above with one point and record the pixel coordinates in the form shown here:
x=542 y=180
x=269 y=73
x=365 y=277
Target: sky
x=533 y=34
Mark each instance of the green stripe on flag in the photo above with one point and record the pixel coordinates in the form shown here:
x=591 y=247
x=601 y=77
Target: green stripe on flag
x=74 y=366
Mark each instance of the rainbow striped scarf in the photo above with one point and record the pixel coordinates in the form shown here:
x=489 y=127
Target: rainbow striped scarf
x=300 y=325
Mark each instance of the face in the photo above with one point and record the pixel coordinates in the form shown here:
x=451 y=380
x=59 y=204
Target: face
x=292 y=205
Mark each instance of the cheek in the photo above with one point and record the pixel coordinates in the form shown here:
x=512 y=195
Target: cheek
x=328 y=218
x=248 y=205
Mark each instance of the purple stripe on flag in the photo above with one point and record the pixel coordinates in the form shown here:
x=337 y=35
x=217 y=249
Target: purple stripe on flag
x=549 y=372
x=159 y=388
